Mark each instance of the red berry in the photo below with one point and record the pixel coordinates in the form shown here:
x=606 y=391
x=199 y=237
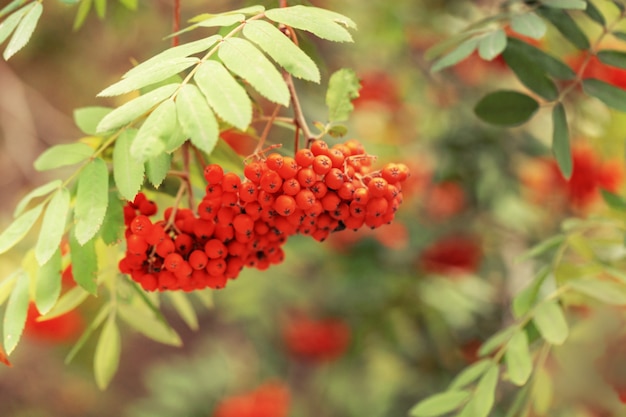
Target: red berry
x=198 y=259
x=271 y=182
x=243 y=223
x=319 y=147
x=304 y=157
x=173 y=261
x=322 y=164
x=213 y=173
x=231 y=182
x=289 y=168
x=274 y=161
x=285 y=205
x=215 y=249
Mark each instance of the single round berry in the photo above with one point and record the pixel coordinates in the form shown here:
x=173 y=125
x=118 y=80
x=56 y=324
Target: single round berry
x=319 y=147
x=322 y=164
x=215 y=249
x=271 y=182
x=231 y=182
x=198 y=259
x=285 y=205
x=304 y=157
x=173 y=261
x=213 y=173
x=274 y=161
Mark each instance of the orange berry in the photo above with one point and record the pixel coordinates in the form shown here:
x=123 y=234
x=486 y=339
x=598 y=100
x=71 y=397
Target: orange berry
x=304 y=157
x=215 y=249
x=322 y=164
x=198 y=259
x=334 y=179
x=319 y=147
x=231 y=182
x=243 y=223
x=253 y=171
x=274 y=161
x=271 y=182
x=213 y=173
x=285 y=205
x=289 y=168
x=377 y=187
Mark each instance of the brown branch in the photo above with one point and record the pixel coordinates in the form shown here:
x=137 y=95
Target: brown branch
x=176 y=22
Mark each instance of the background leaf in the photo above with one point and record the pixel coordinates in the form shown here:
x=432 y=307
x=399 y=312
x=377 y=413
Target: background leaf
x=564 y=23
x=343 y=87
x=40 y=191
x=610 y=95
x=127 y=172
x=531 y=75
x=24 y=30
x=145 y=322
x=113 y=223
x=185 y=309
x=107 y=356
x=440 y=404
x=492 y=45
x=560 y=141
x=8 y=25
x=518 y=359
x=15 y=313
x=196 y=118
x=529 y=24
x=52 y=226
x=607 y=292
x=549 y=64
x=19 y=228
x=506 y=108
x=484 y=395
x=551 y=322
x=566 y=4
x=612 y=57
x=48 y=287
x=459 y=53
x=88 y=118
x=470 y=374
x=92 y=196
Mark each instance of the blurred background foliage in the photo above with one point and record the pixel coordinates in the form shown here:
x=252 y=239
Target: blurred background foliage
x=366 y=323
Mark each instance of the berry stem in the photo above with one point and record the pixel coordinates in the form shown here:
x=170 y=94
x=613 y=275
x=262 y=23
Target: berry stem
x=266 y=129
x=299 y=119
x=176 y=22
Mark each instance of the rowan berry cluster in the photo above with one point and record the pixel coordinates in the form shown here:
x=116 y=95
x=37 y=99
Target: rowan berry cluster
x=244 y=222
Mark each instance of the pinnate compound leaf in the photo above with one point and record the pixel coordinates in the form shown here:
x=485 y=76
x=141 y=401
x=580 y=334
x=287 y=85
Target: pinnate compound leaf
x=613 y=58
x=492 y=45
x=127 y=172
x=549 y=64
x=148 y=324
x=440 y=404
x=506 y=108
x=107 y=356
x=24 y=30
x=281 y=49
x=151 y=137
x=322 y=23
x=52 y=226
x=609 y=94
x=518 y=359
x=157 y=168
x=63 y=155
x=550 y=321
x=48 y=287
x=560 y=141
x=84 y=264
x=459 y=53
x=19 y=228
x=244 y=59
x=567 y=26
x=482 y=401
x=224 y=94
x=135 y=108
x=15 y=313
x=529 y=24
x=566 y=4
x=9 y=24
x=606 y=291
x=40 y=191
x=470 y=374
x=92 y=197
x=343 y=87
x=531 y=75
x=196 y=118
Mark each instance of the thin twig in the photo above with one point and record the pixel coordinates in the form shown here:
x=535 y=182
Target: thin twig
x=176 y=23
x=266 y=129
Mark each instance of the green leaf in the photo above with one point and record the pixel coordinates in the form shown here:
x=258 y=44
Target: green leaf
x=151 y=137
x=595 y=14
x=525 y=299
x=148 y=324
x=225 y=95
x=6 y=286
x=92 y=197
x=135 y=108
x=492 y=45
x=619 y=35
x=506 y=108
x=24 y=30
x=566 y=4
x=439 y=404
x=551 y=323
x=518 y=359
x=458 y=54
x=113 y=223
x=606 y=291
x=159 y=71
x=101 y=8
x=484 y=395
x=549 y=64
x=246 y=11
x=63 y=155
x=496 y=340
x=81 y=14
x=19 y=228
x=612 y=57
x=157 y=168
x=48 y=288
x=15 y=313
x=564 y=23
x=184 y=308
x=609 y=94
x=196 y=118
x=129 y=4
x=10 y=23
x=52 y=226
x=614 y=201
x=107 y=356
x=84 y=264
x=205 y=297
x=343 y=87
x=322 y=23
x=244 y=59
x=177 y=138
x=470 y=374
x=127 y=172
x=40 y=191
x=542 y=247
x=529 y=24
x=87 y=118
x=281 y=49
x=95 y=323
x=542 y=391
x=531 y=75
x=68 y=302
x=560 y=141
x=222 y=20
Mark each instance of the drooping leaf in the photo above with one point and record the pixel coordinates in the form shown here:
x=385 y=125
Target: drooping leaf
x=224 y=94
x=492 y=45
x=282 y=50
x=222 y=20
x=439 y=404
x=101 y=8
x=551 y=323
x=612 y=57
x=52 y=226
x=518 y=359
x=92 y=196
x=564 y=23
x=15 y=313
x=549 y=64
x=595 y=14
x=127 y=172
x=24 y=30
x=68 y=302
x=113 y=223
x=63 y=155
x=566 y=4
x=40 y=191
x=84 y=264
x=343 y=87
x=196 y=118
x=19 y=228
x=609 y=94
x=107 y=356
x=88 y=118
x=560 y=141
x=529 y=24
x=449 y=43
x=185 y=310
x=150 y=139
x=9 y=24
x=322 y=23
x=542 y=391
x=148 y=324
x=470 y=374
x=205 y=297
x=135 y=108
x=159 y=71
x=531 y=75
x=606 y=291
x=506 y=108
x=48 y=288
x=482 y=401
x=95 y=323
x=81 y=14
x=462 y=51
x=157 y=168
x=525 y=299
x=244 y=59
x=614 y=201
